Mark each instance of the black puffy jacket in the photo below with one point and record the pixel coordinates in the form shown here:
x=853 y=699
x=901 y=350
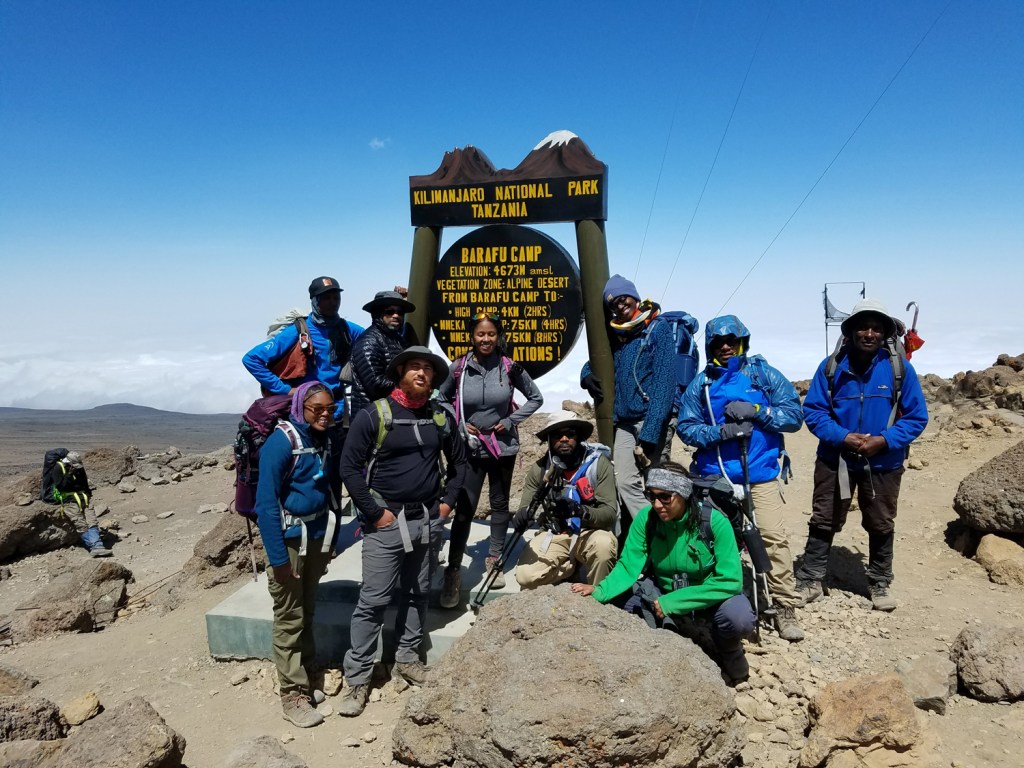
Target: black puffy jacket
x=373 y=350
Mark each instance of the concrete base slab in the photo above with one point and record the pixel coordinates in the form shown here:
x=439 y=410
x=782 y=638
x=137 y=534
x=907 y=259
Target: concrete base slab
x=240 y=626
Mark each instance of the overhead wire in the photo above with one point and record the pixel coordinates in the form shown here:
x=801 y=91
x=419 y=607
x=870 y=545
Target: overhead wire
x=835 y=157
x=664 y=154
x=718 y=151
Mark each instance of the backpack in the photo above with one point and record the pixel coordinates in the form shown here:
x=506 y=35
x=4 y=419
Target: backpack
x=897 y=362
x=50 y=460
x=294 y=364
x=683 y=325
x=386 y=422
x=582 y=486
x=255 y=427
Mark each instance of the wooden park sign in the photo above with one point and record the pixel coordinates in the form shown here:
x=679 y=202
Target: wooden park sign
x=518 y=272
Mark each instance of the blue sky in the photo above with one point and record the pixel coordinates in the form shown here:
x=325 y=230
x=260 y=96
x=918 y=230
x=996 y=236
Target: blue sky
x=172 y=175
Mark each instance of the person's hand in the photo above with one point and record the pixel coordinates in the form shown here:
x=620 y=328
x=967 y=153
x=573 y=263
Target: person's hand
x=472 y=429
x=499 y=428
x=657 y=610
x=738 y=411
x=522 y=519
x=444 y=511
x=640 y=457
x=282 y=573
x=582 y=589
x=854 y=441
x=592 y=384
x=385 y=519
x=872 y=444
x=736 y=431
x=402 y=291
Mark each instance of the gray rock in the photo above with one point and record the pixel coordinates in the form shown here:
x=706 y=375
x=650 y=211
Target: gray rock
x=30 y=717
x=138 y=519
x=542 y=679
x=160 y=480
x=930 y=680
x=36 y=528
x=223 y=553
x=77 y=601
x=27 y=753
x=126 y=487
x=263 y=752
x=990 y=662
x=165 y=515
x=14 y=682
x=23 y=499
x=991 y=499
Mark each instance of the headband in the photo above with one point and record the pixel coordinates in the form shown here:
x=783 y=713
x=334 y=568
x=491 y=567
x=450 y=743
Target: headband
x=670 y=481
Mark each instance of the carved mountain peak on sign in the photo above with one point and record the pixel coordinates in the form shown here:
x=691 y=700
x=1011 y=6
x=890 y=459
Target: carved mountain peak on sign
x=559 y=154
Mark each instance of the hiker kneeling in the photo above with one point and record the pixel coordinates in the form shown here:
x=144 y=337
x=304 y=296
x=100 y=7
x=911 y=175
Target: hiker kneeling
x=298 y=527
x=690 y=569
x=69 y=487
x=575 y=483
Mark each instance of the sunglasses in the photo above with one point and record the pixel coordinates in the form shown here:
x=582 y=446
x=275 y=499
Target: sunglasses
x=486 y=316
x=558 y=434
x=319 y=410
x=393 y=311
x=663 y=496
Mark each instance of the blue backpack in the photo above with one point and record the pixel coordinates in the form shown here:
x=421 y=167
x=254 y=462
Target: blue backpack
x=683 y=325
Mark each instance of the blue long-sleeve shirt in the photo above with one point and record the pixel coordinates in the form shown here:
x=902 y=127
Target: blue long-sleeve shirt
x=862 y=404
x=299 y=491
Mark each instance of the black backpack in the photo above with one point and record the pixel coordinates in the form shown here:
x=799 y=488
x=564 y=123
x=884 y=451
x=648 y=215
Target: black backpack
x=709 y=493
x=49 y=462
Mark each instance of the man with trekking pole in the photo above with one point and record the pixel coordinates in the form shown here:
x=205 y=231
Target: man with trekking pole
x=734 y=413
x=866 y=407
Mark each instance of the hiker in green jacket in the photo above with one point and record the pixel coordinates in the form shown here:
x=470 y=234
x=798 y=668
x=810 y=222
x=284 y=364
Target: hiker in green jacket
x=689 y=570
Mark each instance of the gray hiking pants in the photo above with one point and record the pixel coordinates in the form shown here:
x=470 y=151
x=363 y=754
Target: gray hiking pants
x=629 y=481
x=388 y=567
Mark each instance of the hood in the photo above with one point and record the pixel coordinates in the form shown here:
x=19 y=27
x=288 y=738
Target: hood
x=725 y=325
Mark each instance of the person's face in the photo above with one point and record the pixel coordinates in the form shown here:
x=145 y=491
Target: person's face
x=329 y=303
x=667 y=505
x=563 y=442
x=319 y=411
x=485 y=338
x=392 y=317
x=623 y=308
x=417 y=378
x=725 y=347
x=868 y=334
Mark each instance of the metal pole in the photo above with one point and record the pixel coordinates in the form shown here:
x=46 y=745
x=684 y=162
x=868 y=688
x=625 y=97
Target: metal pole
x=426 y=248
x=592 y=247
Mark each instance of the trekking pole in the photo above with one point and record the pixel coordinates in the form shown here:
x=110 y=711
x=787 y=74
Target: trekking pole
x=758 y=552
x=252 y=549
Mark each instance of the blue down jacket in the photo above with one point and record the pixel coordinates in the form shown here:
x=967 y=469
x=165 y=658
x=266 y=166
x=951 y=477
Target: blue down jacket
x=748 y=379
x=863 y=404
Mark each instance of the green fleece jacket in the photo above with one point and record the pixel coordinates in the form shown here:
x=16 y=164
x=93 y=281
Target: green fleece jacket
x=676 y=548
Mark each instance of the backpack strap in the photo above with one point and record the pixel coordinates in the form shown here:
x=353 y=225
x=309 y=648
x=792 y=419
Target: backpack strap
x=899 y=371
x=303 y=329
x=386 y=422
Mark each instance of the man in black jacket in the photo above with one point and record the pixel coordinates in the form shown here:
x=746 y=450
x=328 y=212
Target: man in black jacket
x=377 y=347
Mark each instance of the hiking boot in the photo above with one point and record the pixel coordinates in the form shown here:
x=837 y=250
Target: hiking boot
x=100 y=551
x=353 y=701
x=451 y=588
x=499 y=579
x=809 y=591
x=787 y=625
x=734 y=666
x=881 y=600
x=298 y=710
x=414 y=672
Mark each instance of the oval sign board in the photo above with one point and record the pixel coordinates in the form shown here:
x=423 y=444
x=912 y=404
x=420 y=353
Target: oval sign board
x=524 y=277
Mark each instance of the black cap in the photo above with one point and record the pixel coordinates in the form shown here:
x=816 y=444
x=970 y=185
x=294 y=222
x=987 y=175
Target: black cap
x=323 y=284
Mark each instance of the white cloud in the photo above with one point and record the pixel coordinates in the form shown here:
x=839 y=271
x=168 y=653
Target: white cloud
x=377 y=143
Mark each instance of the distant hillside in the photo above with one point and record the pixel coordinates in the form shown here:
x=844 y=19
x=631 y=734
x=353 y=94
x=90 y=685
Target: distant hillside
x=26 y=433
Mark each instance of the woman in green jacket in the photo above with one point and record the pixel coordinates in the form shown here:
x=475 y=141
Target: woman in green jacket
x=686 y=573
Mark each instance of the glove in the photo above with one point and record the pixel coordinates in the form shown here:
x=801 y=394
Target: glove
x=734 y=431
x=592 y=384
x=574 y=525
x=522 y=519
x=739 y=411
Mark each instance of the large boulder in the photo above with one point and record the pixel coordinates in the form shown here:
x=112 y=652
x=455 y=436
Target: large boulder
x=991 y=499
x=38 y=527
x=77 y=601
x=223 y=554
x=863 y=714
x=14 y=682
x=263 y=752
x=30 y=717
x=549 y=678
x=1002 y=558
x=930 y=680
x=990 y=662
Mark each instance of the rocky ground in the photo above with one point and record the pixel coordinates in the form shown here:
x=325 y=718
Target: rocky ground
x=156 y=647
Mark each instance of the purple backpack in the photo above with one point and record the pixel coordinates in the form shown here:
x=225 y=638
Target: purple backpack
x=253 y=430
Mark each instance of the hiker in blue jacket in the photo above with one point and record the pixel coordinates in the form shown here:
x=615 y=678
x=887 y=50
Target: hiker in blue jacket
x=294 y=511
x=331 y=337
x=645 y=388
x=739 y=398
x=865 y=419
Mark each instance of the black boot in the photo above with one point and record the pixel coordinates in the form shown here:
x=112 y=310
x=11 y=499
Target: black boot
x=812 y=571
x=879 y=570
x=733 y=662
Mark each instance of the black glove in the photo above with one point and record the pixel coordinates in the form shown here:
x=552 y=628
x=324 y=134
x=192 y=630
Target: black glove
x=592 y=384
x=739 y=411
x=734 y=431
x=522 y=519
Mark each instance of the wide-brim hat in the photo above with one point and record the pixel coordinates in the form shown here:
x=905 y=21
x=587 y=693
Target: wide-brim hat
x=384 y=299
x=584 y=429
x=869 y=307
x=438 y=363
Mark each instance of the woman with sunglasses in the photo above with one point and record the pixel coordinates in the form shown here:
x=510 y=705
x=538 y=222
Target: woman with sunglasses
x=677 y=572
x=297 y=480
x=481 y=389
